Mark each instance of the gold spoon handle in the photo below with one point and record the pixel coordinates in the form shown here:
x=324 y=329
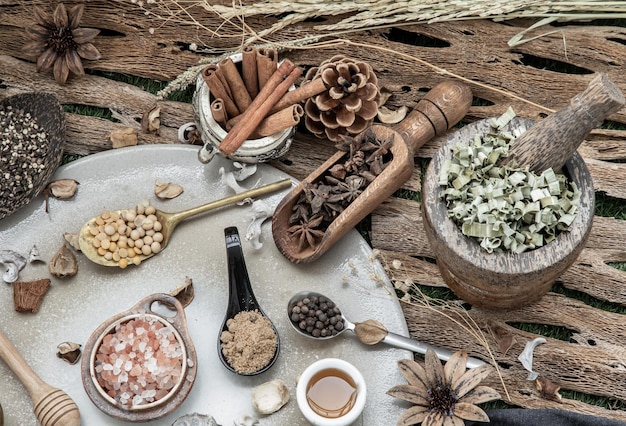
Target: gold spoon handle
x=51 y=406
x=175 y=218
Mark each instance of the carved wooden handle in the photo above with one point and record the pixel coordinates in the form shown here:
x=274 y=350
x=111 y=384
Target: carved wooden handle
x=442 y=107
x=552 y=141
x=52 y=406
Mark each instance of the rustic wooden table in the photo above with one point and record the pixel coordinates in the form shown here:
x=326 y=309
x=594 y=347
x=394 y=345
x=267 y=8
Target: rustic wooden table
x=408 y=60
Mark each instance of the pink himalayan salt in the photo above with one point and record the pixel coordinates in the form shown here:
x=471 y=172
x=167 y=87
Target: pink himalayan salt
x=140 y=362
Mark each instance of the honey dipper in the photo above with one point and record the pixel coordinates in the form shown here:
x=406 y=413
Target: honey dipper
x=52 y=406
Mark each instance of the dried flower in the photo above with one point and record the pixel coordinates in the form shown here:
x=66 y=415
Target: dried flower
x=443 y=395
x=59 y=42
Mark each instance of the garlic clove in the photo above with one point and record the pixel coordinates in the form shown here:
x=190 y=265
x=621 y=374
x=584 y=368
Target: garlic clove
x=269 y=397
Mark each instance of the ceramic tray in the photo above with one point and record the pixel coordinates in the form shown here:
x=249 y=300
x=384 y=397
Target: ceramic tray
x=74 y=307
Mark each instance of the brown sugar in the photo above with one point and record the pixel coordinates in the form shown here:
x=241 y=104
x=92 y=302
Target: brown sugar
x=27 y=295
x=250 y=342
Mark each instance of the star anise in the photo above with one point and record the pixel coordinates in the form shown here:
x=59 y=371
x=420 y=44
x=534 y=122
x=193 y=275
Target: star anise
x=58 y=42
x=348 y=190
x=307 y=232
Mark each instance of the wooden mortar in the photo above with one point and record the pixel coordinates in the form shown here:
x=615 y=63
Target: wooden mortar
x=498 y=281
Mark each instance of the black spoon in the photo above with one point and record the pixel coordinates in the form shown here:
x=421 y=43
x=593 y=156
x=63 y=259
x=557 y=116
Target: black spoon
x=240 y=297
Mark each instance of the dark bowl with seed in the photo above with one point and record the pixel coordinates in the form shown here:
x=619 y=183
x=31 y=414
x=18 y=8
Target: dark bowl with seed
x=32 y=132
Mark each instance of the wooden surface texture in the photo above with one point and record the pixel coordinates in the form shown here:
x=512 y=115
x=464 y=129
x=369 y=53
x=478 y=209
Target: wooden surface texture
x=408 y=60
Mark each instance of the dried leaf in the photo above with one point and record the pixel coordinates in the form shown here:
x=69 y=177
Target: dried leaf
x=184 y=293
x=72 y=239
x=370 y=331
x=548 y=389
x=151 y=120
x=503 y=337
x=123 y=137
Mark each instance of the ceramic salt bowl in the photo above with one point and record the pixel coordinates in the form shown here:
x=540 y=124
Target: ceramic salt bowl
x=498 y=281
x=252 y=150
x=145 y=410
x=47 y=112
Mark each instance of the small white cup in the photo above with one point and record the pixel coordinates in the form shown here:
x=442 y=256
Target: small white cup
x=324 y=364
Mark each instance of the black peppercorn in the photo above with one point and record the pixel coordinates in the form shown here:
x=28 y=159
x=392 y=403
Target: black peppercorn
x=318 y=316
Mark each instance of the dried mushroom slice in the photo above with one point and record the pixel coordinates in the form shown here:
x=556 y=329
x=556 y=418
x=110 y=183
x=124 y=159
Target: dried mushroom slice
x=14 y=263
x=69 y=352
x=167 y=190
x=64 y=263
x=28 y=295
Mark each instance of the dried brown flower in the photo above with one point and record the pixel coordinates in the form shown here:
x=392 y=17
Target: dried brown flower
x=58 y=42
x=443 y=395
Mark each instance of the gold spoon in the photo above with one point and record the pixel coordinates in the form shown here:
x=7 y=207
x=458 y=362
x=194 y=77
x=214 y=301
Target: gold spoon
x=169 y=221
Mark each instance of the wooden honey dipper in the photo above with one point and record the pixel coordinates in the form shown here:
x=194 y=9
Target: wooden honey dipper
x=552 y=141
x=52 y=406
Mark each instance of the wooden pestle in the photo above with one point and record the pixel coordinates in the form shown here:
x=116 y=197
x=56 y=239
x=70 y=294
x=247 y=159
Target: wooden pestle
x=552 y=141
x=52 y=406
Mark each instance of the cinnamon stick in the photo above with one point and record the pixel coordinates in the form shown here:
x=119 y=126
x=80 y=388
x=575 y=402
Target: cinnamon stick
x=218 y=112
x=274 y=123
x=235 y=82
x=273 y=90
x=209 y=74
x=305 y=91
x=267 y=61
x=249 y=71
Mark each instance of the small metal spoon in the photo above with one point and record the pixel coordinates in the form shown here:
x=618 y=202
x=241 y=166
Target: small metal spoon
x=169 y=221
x=240 y=296
x=391 y=339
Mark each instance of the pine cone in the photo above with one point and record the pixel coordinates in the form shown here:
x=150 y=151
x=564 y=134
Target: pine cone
x=349 y=104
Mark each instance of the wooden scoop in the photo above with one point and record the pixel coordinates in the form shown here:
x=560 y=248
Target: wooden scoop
x=52 y=406
x=444 y=106
x=551 y=142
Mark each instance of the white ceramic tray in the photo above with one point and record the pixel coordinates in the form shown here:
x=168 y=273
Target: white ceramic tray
x=74 y=307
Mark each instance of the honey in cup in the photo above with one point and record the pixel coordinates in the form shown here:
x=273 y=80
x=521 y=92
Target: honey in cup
x=331 y=393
